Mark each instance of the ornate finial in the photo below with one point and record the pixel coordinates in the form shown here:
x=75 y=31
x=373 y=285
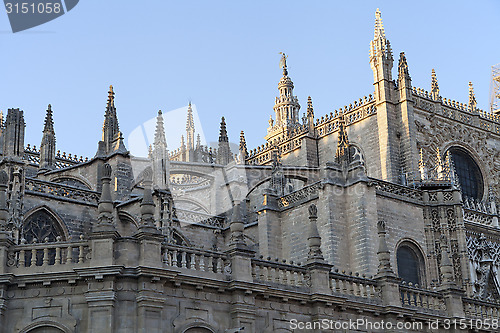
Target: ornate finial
x=283 y=63
x=313 y=211
x=381 y=226
x=472 y=98
x=314 y=239
x=342 y=153
x=434 y=86
x=310 y=110
x=379 y=26
x=243 y=143
x=106 y=171
x=198 y=141
x=403 y=71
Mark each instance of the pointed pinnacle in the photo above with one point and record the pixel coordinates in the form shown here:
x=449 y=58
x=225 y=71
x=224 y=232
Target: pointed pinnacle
x=223 y=132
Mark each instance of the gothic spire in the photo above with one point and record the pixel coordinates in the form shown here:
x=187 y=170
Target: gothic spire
x=111 y=135
x=342 y=153
x=48 y=144
x=190 y=127
x=472 y=98
x=434 y=86
x=380 y=45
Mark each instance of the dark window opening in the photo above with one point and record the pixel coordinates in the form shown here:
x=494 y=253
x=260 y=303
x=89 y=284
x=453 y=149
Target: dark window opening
x=469 y=174
x=408 y=265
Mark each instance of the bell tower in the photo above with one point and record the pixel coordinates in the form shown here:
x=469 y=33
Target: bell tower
x=286 y=107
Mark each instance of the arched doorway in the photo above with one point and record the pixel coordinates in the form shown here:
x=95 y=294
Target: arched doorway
x=45 y=329
x=197 y=330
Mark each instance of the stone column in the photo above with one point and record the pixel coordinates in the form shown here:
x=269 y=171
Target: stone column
x=6 y=242
x=104 y=233
x=243 y=304
x=387 y=280
x=318 y=268
x=269 y=226
x=452 y=294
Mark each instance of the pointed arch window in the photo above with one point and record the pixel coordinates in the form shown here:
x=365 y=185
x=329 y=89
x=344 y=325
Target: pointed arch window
x=41 y=226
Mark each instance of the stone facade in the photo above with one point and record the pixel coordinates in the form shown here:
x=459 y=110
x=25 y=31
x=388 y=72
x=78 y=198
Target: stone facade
x=364 y=214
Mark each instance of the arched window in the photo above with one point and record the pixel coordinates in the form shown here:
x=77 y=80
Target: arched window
x=469 y=174
x=42 y=226
x=410 y=264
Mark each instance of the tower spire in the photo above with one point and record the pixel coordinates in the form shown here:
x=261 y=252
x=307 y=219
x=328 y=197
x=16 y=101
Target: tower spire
x=472 y=98
x=434 y=86
x=381 y=59
x=48 y=144
x=286 y=107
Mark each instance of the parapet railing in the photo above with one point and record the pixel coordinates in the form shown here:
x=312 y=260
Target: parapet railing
x=48 y=254
x=189 y=216
x=62 y=160
x=480 y=309
x=195 y=259
x=413 y=295
x=37 y=186
x=274 y=272
x=354 y=285
x=297 y=197
x=383 y=187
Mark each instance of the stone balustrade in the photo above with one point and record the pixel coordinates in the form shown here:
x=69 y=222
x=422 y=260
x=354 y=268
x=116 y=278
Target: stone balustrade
x=353 y=285
x=189 y=216
x=76 y=194
x=481 y=310
x=48 y=254
x=195 y=259
x=275 y=272
x=412 y=295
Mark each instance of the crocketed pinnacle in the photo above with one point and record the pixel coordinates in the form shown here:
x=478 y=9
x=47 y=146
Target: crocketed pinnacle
x=243 y=143
x=190 y=120
x=403 y=66
x=160 y=139
x=472 y=98
x=223 y=132
x=310 y=110
x=342 y=153
x=49 y=122
x=434 y=85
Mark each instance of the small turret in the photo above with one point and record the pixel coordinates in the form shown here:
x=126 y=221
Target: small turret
x=13 y=134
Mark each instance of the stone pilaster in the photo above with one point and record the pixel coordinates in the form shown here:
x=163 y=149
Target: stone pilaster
x=269 y=226
x=101 y=298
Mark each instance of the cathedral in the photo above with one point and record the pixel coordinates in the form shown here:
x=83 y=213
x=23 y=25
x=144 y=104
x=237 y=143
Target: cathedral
x=380 y=216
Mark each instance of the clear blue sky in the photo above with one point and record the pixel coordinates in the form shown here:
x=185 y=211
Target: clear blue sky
x=223 y=56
